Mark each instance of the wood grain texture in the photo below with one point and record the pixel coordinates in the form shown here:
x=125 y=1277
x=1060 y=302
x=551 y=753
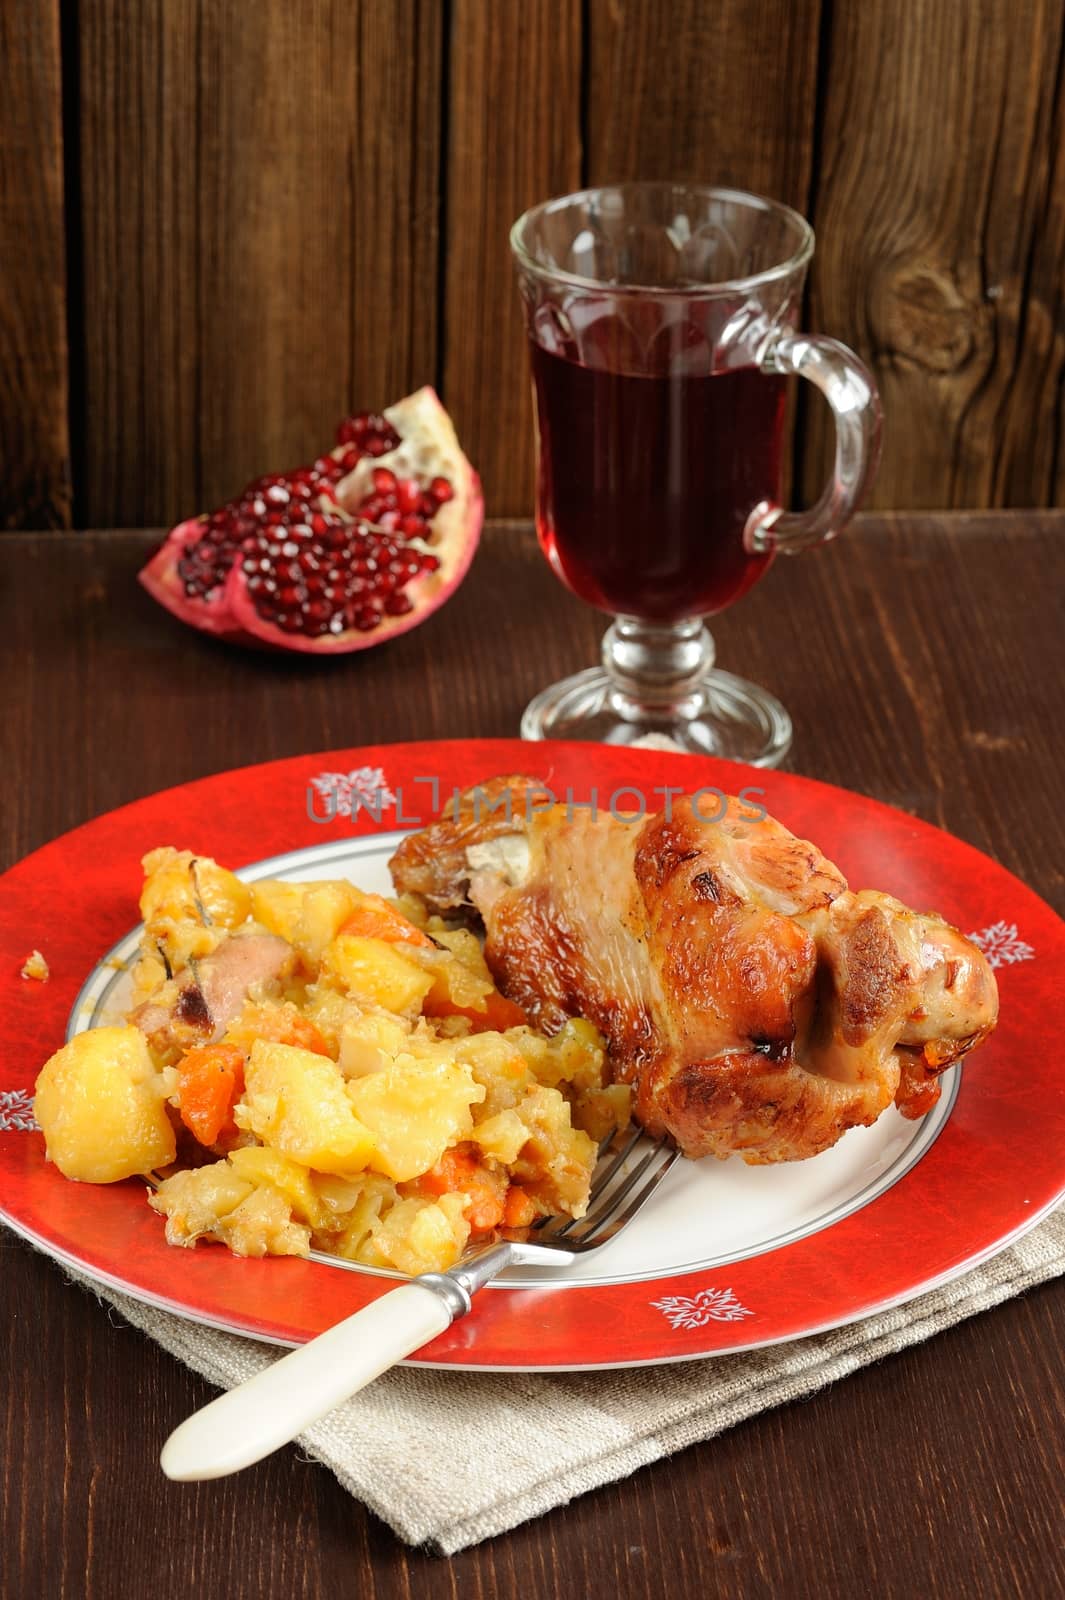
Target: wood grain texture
x=287 y=210
x=34 y=442
x=723 y=94
x=259 y=217
x=935 y=1473
x=940 y=213
x=513 y=138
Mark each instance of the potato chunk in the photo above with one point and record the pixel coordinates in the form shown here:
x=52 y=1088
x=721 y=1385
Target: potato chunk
x=277 y=905
x=557 y=1161
x=419 y=1236
x=374 y=971
x=100 y=1105
x=259 y=1165
x=189 y=904
x=294 y=1100
x=414 y=1109
x=179 y=885
x=196 y=1201
x=308 y=915
x=252 y=1218
x=369 y=1043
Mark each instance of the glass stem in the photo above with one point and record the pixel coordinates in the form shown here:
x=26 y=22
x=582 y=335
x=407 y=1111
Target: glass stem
x=656 y=668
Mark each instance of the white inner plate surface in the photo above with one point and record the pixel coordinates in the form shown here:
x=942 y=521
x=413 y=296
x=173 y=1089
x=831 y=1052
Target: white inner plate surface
x=704 y=1214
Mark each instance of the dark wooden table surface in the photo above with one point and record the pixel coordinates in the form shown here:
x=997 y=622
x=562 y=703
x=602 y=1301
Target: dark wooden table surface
x=922 y=660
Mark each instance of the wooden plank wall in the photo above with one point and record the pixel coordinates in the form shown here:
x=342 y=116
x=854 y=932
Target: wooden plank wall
x=223 y=225
x=34 y=442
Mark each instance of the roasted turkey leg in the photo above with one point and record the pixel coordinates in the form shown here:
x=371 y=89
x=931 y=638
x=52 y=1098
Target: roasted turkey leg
x=754 y=1002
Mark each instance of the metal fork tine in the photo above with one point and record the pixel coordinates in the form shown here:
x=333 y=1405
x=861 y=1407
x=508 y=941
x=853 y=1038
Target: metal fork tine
x=644 y=1177
x=605 y=1198
x=606 y=1228
x=607 y=1195
x=601 y=1180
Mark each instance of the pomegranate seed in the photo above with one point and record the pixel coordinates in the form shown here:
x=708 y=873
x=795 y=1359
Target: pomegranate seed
x=353 y=430
x=308 y=568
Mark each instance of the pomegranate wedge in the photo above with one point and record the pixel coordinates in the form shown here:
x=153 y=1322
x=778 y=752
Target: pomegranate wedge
x=363 y=544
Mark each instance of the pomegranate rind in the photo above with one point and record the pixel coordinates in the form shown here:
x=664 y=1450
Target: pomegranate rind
x=428 y=448
x=160 y=578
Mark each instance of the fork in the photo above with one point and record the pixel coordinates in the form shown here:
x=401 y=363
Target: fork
x=260 y=1415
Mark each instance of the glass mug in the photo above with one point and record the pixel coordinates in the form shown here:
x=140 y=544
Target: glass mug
x=662 y=329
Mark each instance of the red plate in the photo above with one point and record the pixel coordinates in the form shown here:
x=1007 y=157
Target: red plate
x=729 y=1257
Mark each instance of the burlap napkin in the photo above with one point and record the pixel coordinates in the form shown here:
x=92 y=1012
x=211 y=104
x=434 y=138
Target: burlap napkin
x=448 y=1459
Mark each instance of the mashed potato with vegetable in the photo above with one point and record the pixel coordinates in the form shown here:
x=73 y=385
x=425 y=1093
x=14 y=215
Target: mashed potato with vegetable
x=316 y=1067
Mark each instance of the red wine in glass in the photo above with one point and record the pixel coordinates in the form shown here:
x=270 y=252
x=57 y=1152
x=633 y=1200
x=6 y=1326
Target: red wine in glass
x=647 y=480
x=663 y=320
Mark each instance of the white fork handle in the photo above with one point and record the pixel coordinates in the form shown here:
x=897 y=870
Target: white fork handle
x=259 y=1416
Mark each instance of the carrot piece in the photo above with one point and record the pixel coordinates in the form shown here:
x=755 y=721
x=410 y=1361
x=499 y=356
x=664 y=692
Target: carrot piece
x=280 y=1025
x=304 y=1034
x=454 y=1170
x=376 y=919
x=519 y=1209
x=459 y=1172
x=503 y=1013
x=210 y=1077
x=497 y=1014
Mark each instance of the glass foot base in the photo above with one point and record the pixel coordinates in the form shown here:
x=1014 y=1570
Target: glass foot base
x=722 y=716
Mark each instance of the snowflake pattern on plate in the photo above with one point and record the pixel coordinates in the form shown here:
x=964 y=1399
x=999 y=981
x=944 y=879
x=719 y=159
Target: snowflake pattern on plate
x=365 y=788
x=695 y=1311
x=1002 y=944
x=16 y=1111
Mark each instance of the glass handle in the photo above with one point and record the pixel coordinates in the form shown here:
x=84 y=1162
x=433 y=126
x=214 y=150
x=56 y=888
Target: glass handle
x=848 y=386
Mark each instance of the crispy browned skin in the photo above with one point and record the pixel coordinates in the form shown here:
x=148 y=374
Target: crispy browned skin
x=434 y=862
x=754 y=1002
